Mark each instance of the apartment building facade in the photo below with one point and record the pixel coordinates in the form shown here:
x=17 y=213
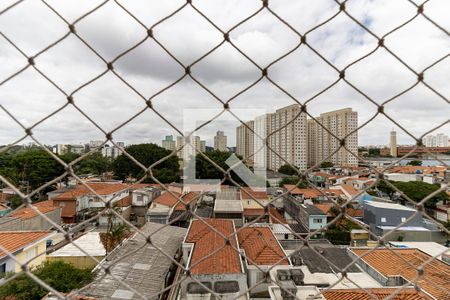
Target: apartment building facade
x=220 y=141
x=324 y=138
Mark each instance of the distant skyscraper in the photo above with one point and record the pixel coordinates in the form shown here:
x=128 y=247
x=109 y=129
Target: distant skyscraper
x=191 y=149
x=220 y=141
x=393 y=143
x=244 y=141
x=169 y=143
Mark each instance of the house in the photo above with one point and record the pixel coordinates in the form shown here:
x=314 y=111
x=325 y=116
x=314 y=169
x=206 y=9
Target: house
x=79 y=201
x=260 y=248
x=27 y=219
x=146 y=269
x=93 y=251
x=313 y=194
x=254 y=203
x=379 y=293
x=229 y=206
x=442 y=212
x=431 y=248
x=398 y=267
x=25 y=246
x=307 y=214
x=213 y=261
x=168 y=203
x=141 y=200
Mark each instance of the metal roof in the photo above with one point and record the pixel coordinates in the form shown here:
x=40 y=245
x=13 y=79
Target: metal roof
x=89 y=242
x=230 y=206
x=144 y=268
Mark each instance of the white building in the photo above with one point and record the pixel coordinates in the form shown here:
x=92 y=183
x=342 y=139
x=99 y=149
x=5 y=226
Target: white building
x=220 y=141
x=438 y=140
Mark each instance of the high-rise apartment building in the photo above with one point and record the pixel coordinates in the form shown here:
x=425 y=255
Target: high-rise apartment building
x=438 y=140
x=245 y=141
x=220 y=141
x=325 y=138
x=284 y=134
x=191 y=149
x=169 y=143
x=393 y=143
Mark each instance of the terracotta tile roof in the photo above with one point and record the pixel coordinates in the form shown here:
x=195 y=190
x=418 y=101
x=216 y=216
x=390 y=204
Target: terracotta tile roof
x=13 y=241
x=248 y=194
x=349 y=189
x=225 y=259
x=310 y=193
x=325 y=207
x=436 y=278
x=253 y=211
x=355 y=213
x=100 y=188
x=424 y=169
x=187 y=198
x=275 y=217
x=379 y=293
x=168 y=198
x=261 y=247
x=28 y=213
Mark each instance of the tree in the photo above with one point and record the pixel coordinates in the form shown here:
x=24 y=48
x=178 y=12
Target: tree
x=415 y=163
x=326 y=164
x=61 y=276
x=206 y=170
x=16 y=201
x=30 y=168
x=94 y=163
x=147 y=154
x=287 y=169
x=295 y=180
x=415 y=190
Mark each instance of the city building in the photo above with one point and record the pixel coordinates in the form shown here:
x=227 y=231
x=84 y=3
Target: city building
x=393 y=143
x=26 y=246
x=213 y=261
x=437 y=140
x=339 y=123
x=220 y=141
x=167 y=204
x=169 y=143
x=245 y=141
x=195 y=144
x=112 y=151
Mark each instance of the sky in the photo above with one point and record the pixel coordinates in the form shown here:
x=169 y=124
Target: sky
x=147 y=68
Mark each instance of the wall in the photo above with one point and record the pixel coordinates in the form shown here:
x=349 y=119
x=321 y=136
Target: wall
x=416 y=236
x=80 y=262
x=314 y=226
x=39 y=257
x=35 y=223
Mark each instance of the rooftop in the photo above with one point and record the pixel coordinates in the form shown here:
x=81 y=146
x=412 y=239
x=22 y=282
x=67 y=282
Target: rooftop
x=261 y=247
x=388 y=205
x=248 y=194
x=89 y=242
x=168 y=199
x=378 y=293
x=316 y=263
x=275 y=217
x=207 y=241
x=144 y=268
x=28 y=212
x=430 y=248
x=403 y=262
x=13 y=241
x=312 y=210
x=229 y=206
x=101 y=188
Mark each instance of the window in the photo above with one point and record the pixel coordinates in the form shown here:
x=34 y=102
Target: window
x=2 y=268
x=403 y=219
x=316 y=221
x=383 y=220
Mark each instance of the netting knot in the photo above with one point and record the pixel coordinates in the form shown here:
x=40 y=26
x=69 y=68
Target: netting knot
x=150 y=32
x=72 y=28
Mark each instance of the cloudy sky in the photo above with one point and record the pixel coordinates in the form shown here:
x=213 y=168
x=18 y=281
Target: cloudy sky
x=32 y=26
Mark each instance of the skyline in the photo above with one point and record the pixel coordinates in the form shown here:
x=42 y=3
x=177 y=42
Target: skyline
x=225 y=72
